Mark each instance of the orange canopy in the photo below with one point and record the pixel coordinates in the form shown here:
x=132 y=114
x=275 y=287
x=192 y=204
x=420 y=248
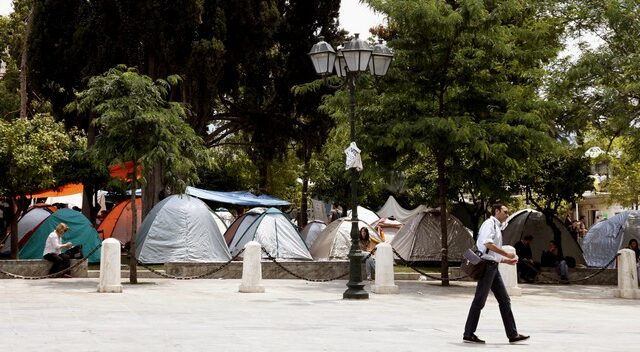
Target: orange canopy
x=66 y=190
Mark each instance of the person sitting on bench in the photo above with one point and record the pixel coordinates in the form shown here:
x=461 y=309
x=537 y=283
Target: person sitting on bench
x=53 y=250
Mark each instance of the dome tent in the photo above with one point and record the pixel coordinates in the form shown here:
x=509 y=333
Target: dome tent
x=81 y=232
x=532 y=222
x=311 y=231
x=28 y=223
x=365 y=215
x=117 y=224
x=272 y=229
x=606 y=238
x=420 y=240
x=334 y=242
x=180 y=229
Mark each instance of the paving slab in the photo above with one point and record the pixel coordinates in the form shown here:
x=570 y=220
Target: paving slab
x=295 y=315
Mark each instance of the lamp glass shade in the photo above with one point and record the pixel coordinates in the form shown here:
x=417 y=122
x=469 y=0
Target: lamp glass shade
x=357 y=54
x=323 y=57
x=341 y=65
x=381 y=58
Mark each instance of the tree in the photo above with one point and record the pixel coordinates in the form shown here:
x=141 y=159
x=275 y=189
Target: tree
x=465 y=73
x=30 y=150
x=624 y=183
x=138 y=124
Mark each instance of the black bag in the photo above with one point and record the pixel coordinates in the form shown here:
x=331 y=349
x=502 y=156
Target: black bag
x=473 y=265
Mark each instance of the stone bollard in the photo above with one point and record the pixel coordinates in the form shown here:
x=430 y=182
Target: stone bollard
x=252 y=268
x=384 y=270
x=110 y=266
x=509 y=274
x=627 y=275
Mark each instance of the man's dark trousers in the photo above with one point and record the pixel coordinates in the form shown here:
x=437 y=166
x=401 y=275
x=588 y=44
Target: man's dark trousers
x=491 y=280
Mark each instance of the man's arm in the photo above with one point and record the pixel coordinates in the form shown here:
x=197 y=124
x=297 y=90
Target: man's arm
x=510 y=258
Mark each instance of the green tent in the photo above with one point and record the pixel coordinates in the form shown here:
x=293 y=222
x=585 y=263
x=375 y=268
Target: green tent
x=80 y=233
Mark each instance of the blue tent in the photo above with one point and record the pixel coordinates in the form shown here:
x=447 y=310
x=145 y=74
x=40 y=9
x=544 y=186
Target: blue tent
x=80 y=233
x=607 y=237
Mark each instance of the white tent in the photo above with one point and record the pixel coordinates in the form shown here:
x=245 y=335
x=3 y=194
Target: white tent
x=392 y=208
x=420 y=239
x=311 y=231
x=223 y=219
x=272 y=229
x=365 y=215
x=334 y=242
x=606 y=238
x=180 y=229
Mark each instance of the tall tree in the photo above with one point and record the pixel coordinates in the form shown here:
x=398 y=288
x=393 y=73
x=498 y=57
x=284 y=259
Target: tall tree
x=137 y=123
x=30 y=149
x=464 y=73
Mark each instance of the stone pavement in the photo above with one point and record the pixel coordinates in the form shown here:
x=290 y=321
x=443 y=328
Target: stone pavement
x=294 y=315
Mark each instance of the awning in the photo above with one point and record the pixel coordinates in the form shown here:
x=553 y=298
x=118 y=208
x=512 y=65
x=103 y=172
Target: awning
x=237 y=198
x=66 y=190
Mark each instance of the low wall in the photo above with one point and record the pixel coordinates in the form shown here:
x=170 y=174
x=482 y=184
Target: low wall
x=270 y=270
x=38 y=267
x=606 y=277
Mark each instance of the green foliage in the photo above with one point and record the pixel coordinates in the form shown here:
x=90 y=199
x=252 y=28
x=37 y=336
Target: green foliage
x=624 y=184
x=30 y=150
x=137 y=123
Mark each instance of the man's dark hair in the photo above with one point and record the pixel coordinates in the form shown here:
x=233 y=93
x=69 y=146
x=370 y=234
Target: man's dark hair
x=496 y=208
x=528 y=237
x=554 y=243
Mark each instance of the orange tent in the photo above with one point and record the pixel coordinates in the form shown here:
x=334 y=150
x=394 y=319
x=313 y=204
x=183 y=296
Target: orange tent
x=118 y=171
x=66 y=190
x=117 y=223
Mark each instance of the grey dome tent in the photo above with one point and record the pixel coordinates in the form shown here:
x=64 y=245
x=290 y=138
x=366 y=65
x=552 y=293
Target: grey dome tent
x=606 y=238
x=180 y=228
x=420 y=240
x=532 y=222
x=272 y=229
x=334 y=242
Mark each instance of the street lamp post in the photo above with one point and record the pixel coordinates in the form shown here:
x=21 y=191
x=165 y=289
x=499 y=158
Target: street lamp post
x=355 y=57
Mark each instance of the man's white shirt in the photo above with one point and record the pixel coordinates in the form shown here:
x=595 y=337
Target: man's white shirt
x=490 y=232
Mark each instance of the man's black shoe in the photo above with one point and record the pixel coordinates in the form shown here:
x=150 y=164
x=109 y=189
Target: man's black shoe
x=518 y=338
x=472 y=339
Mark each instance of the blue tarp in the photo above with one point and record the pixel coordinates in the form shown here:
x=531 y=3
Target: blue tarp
x=237 y=198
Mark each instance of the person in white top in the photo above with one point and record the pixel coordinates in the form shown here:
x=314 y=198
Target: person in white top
x=53 y=250
x=490 y=244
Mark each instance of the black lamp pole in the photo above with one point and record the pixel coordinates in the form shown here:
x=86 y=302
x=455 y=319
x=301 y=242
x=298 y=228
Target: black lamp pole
x=356 y=56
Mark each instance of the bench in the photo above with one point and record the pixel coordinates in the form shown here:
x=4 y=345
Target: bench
x=38 y=267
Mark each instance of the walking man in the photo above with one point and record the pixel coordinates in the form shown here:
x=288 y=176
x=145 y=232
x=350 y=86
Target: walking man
x=490 y=244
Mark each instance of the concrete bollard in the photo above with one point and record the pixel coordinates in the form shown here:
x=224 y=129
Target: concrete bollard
x=627 y=275
x=509 y=274
x=110 y=280
x=252 y=268
x=384 y=270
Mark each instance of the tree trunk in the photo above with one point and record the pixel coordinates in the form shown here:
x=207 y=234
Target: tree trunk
x=442 y=197
x=263 y=170
x=302 y=220
x=153 y=190
x=24 y=89
x=13 y=224
x=133 y=262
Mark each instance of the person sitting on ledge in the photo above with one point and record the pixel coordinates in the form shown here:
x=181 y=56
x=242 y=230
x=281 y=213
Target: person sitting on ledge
x=53 y=250
x=554 y=259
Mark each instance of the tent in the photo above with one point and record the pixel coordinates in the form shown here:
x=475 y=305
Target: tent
x=420 y=240
x=180 y=228
x=334 y=242
x=606 y=238
x=81 y=232
x=311 y=231
x=117 y=224
x=70 y=194
x=392 y=208
x=30 y=221
x=365 y=215
x=532 y=222
x=223 y=219
x=272 y=229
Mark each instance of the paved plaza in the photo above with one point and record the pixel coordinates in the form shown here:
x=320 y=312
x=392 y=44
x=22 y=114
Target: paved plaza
x=294 y=315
